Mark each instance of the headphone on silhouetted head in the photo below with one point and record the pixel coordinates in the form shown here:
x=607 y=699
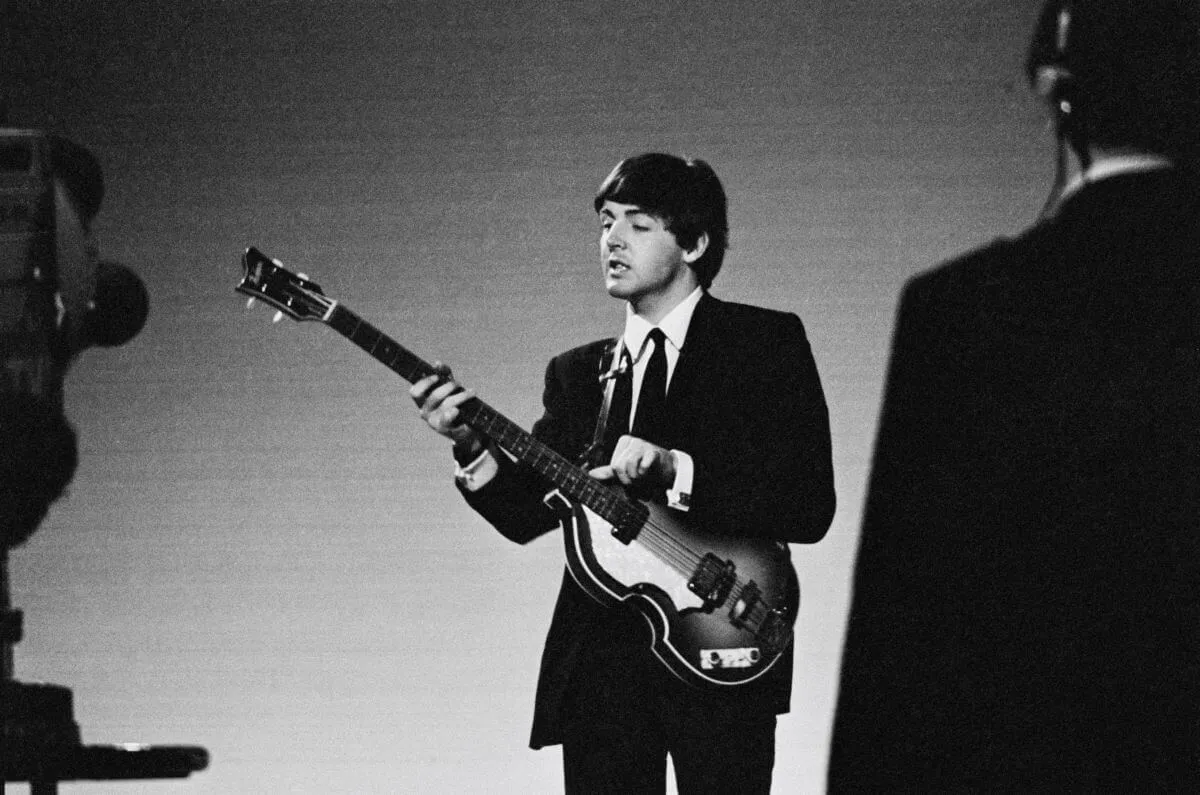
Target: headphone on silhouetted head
x=1052 y=72
x=1119 y=74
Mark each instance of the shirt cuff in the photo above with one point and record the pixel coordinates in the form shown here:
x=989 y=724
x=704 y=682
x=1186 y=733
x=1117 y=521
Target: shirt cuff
x=680 y=494
x=477 y=474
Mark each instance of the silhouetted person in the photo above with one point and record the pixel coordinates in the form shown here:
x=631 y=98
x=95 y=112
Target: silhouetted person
x=1026 y=607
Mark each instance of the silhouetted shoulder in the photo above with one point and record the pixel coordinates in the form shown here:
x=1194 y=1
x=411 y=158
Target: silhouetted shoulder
x=967 y=275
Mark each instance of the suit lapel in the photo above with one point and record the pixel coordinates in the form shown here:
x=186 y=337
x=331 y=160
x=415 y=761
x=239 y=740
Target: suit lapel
x=699 y=349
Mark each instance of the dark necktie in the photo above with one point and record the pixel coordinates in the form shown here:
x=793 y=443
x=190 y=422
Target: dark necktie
x=650 y=418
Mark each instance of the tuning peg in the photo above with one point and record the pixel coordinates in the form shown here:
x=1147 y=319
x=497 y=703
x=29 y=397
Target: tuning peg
x=250 y=302
x=278 y=317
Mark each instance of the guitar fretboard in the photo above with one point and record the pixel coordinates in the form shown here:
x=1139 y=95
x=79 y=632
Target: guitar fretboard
x=572 y=481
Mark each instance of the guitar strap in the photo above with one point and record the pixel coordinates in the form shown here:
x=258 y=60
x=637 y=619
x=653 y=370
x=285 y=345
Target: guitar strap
x=613 y=365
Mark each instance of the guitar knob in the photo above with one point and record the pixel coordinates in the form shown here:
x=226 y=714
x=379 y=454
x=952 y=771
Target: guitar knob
x=250 y=303
x=278 y=317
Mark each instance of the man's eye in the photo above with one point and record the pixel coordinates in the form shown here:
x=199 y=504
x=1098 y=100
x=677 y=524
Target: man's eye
x=640 y=227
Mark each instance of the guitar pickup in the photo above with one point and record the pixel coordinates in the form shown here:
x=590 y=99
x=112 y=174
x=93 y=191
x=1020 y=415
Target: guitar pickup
x=712 y=580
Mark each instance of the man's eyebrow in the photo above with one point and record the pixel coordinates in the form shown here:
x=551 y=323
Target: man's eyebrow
x=631 y=211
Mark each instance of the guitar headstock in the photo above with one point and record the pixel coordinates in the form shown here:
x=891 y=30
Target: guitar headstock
x=292 y=294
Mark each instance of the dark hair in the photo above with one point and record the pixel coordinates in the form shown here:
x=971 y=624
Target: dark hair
x=685 y=194
x=1132 y=69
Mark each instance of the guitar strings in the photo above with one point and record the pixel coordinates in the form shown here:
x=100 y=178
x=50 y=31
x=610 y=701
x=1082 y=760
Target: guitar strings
x=676 y=553
x=659 y=540
x=653 y=536
x=685 y=559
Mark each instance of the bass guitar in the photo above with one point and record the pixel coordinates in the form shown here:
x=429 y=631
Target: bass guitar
x=721 y=608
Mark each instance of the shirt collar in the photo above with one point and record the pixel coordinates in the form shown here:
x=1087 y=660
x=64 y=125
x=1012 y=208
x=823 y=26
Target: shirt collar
x=674 y=326
x=1114 y=165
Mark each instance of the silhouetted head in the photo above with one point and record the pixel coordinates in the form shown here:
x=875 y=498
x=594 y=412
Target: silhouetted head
x=1121 y=73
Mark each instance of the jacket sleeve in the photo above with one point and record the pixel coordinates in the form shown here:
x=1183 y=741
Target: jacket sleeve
x=512 y=501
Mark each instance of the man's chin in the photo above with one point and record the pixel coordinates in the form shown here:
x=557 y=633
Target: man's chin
x=617 y=289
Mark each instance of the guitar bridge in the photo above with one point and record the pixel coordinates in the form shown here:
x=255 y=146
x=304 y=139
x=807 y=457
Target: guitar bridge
x=712 y=580
x=742 y=613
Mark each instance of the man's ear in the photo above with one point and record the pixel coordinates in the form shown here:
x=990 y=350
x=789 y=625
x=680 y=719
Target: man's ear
x=697 y=251
x=1056 y=86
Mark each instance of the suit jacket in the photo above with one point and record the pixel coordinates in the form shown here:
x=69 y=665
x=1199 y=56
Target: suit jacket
x=746 y=403
x=1026 y=608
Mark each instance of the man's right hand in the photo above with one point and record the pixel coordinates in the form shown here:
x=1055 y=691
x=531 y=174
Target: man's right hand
x=636 y=462
x=439 y=397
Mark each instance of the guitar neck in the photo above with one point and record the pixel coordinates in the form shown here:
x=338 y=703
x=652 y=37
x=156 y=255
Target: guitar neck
x=572 y=481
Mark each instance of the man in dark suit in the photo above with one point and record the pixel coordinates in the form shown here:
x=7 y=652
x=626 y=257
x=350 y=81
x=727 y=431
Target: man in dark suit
x=1026 y=607
x=741 y=444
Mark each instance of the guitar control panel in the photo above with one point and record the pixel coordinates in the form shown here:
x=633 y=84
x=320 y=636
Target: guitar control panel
x=711 y=659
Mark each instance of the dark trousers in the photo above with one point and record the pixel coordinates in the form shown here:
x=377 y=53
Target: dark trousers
x=626 y=713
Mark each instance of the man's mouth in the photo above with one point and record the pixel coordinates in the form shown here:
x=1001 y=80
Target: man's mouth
x=616 y=266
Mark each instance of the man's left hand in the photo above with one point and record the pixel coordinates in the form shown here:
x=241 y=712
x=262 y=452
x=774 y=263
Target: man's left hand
x=636 y=462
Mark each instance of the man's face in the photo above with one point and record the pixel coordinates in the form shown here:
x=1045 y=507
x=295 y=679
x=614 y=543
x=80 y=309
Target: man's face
x=641 y=259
